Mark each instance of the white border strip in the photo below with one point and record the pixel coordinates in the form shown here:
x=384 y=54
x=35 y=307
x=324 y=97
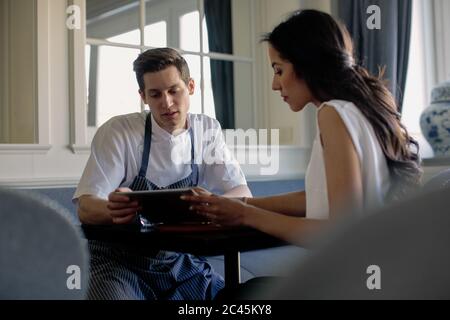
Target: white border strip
x=40 y=183
x=292 y=166
x=24 y=148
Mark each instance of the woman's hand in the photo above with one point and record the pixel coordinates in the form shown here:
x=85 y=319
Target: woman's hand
x=220 y=210
x=199 y=191
x=121 y=208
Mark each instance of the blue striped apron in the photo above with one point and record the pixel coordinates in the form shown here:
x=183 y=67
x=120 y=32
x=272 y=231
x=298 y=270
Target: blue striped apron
x=119 y=272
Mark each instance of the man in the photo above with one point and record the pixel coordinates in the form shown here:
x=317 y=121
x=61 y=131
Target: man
x=137 y=151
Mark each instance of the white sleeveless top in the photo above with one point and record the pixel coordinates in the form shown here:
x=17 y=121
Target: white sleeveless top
x=374 y=169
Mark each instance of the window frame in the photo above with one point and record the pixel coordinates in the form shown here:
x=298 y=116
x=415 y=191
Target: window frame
x=42 y=87
x=81 y=134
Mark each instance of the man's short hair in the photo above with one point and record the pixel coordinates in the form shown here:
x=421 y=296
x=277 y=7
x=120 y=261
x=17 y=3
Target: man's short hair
x=154 y=60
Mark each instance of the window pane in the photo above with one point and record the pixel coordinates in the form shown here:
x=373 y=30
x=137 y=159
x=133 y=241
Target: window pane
x=210 y=108
x=161 y=21
x=190 y=32
x=194 y=68
x=205 y=36
x=106 y=19
x=129 y=37
x=113 y=89
x=243 y=97
x=228 y=93
x=416 y=97
x=227 y=28
x=18 y=72
x=156 y=34
x=87 y=52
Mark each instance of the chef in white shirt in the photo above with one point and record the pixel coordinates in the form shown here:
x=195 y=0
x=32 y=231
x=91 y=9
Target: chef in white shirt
x=165 y=148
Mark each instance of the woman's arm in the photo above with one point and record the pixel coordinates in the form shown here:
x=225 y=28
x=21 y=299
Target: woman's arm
x=271 y=214
x=239 y=191
x=344 y=187
x=233 y=212
x=294 y=230
x=291 y=204
x=342 y=164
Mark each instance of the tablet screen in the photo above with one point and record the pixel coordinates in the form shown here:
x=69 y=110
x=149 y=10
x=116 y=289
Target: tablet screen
x=165 y=206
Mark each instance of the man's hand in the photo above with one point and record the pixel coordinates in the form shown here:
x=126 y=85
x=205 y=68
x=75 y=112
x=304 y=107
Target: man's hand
x=121 y=209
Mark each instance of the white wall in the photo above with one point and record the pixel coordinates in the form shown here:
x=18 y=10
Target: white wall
x=442 y=39
x=277 y=114
x=4 y=124
x=323 y=5
x=242 y=46
x=295 y=129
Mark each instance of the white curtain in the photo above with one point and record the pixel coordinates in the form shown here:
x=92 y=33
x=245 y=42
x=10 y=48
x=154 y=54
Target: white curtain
x=441 y=11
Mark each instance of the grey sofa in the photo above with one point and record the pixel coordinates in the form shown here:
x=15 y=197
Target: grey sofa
x=267 y=262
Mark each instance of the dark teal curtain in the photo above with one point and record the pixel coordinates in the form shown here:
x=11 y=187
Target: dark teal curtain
x=388 y=46
x=218 y=22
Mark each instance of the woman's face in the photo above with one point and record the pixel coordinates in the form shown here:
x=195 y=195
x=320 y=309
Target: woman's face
x=294 y=91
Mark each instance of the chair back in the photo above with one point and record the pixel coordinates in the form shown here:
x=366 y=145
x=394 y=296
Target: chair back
x=42 y=253
x=399 y=252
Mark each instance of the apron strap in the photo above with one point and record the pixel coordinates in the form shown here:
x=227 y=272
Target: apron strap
x=147 y=145
x=194 y=167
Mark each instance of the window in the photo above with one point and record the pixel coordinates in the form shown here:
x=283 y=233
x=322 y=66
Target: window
x=190 y=41
x=24 y=67
x=415 y=98
x=117 y=30
x=417 y=90
x=156 y=34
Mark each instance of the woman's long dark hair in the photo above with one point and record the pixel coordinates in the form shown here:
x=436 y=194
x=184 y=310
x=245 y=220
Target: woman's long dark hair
x=321 y=52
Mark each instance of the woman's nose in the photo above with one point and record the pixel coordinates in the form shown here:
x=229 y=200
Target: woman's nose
x=275 y=85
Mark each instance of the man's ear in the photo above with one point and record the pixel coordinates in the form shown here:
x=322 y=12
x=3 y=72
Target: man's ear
x=191 y=86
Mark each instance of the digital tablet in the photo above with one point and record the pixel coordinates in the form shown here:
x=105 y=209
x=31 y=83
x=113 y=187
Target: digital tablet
x=165 y=206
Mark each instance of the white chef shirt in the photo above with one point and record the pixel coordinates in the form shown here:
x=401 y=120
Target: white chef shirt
x=116 y=156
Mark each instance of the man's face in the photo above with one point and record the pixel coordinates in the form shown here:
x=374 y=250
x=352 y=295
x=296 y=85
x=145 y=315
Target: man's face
x=167 y=95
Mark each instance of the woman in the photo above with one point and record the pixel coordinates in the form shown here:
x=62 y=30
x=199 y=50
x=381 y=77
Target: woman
x=362 y=155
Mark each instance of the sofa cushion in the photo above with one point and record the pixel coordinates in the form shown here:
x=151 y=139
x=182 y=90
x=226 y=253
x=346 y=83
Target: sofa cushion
x=266 y=188
x=63 y=196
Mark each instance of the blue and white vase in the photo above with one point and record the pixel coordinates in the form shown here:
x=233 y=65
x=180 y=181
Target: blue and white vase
x=435 y=120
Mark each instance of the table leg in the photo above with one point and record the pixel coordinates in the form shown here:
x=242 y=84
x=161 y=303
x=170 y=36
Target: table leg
x=232 y=269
